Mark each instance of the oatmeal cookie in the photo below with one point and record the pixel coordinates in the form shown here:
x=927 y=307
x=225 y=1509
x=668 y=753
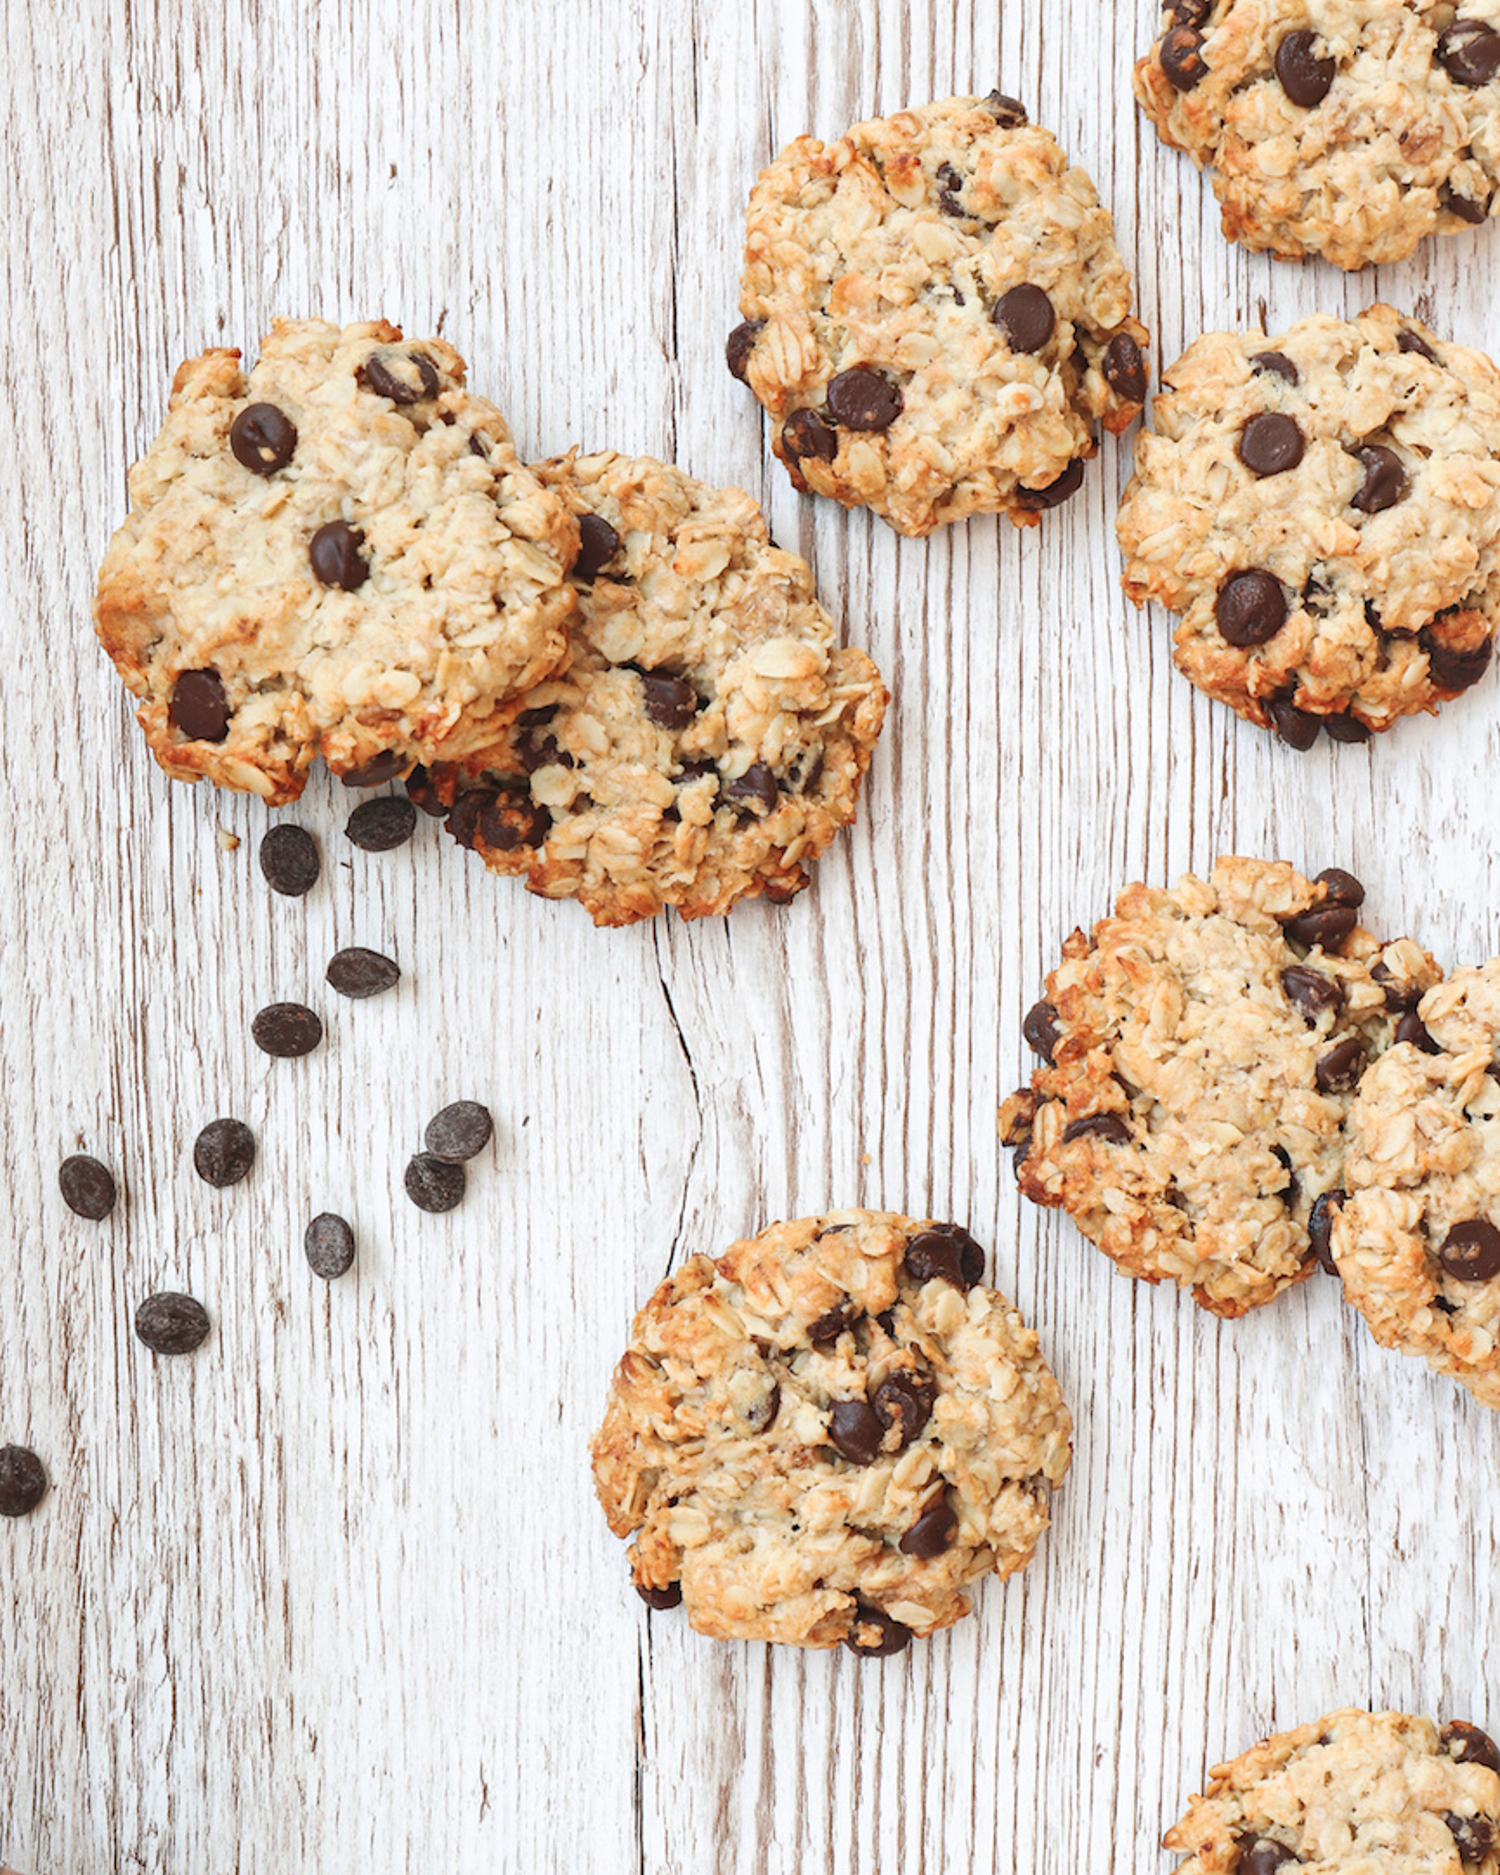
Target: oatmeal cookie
x=705 y=740
x=1352 y=1794
x=338 y=554
x=1202 y=1048
x=1347 y=128
x=827 y=1434
x=1417 y=1240
x=936 y=316
x=1323 y=512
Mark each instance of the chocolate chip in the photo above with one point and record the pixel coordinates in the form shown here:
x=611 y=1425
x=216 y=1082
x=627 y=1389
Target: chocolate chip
x=1125 y=368
x=1460 y=205
x=854 y=1431
x=1250 y=608
x=1106 y=1126
x=760 y=1415
x=1298 y=729
x=1041 y=1030
x=286 y=1030
x=1320 y=1228
x=1325 y=925
x=827 y=1328
x=1291 y=1189
x=1340 y=887
x=903 y=1403
x=1456 y=670
x=946 y=1251
x=1056 y=492
x=1414 y=342
x=757 y=784
x=262 y=438
x=199 y=709
x=1277 y=364
x=510 y=820
x=463 y=817
x=1385 y=479
x=432 y=1184
x=1305 y=77
x=459 y=1131
x=1466 y=1744
x=1191 y=12
x=374 y=773
x=950 y=187
x=933 y=1532
x=1263 y=1855
x=171 y=1324
x=87 y=1187
x=224 y=1152
x=1346 y=728
x=660 y=1599
x=23 y=1482
x=1008 y=113
x=422 y=791
x=1313 y=993
x=336 y=558
x=1340 y=1068
x=1182 y=58
x=1469 y=51
x=289 y=861
x=381 y=825
x=1399 y=994
x=358 y=973
x=1271 y=444
x=1411 y=1028
x=1474 y=1836
x=740 y=344
x=404 y=377
x=1026 y=317
x=806 y=434
x=671 y=702
x=861 y=399
x=598 y=543
x=328 y=1244
x=1471 y=1253
x=875 y=1634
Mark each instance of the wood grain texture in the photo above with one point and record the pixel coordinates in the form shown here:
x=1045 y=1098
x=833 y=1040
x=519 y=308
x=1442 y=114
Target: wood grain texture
x=334 y=1594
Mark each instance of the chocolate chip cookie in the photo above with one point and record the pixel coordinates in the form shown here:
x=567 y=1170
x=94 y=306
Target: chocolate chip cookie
x=338 y=554
x=1201 y=1051
x=1417 y=1240
x=706 y=738
x=1351 y=1794
x=1346 y=128
x=827 y=1434
x=936 y=317
x=1323 y=512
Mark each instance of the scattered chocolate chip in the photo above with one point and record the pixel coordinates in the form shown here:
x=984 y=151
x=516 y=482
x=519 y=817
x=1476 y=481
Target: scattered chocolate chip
x=336 y=558
x=757 y=784
x=289 y=861
x=1325 y=925
x=660 y=1599
x=1182 y=58
x=1313 y=993
x=224 y=1152
x=1277 y=364
x=462 y=1129
x=1270 y=444
x=806 y=434
x=1041 y=1030
x=1056 y=492
x=262 y=438
x=1320 y=1228
x=1474 y=1836
x=946 y=1251
x=950 y=187
x=171 y=1324
x=861 y=399
x=358 y=973
x=1125 y=368
x=23 y=1482
x=1414 y=342
x=1250 y=608
x=1456 y=670
x=1191 y=12
x=1411 y=1028
x=1263 y=1855
x=199 y=709
x=1469 y=51
x=1008 y=113
x=372 y=774
x=903 y=1404
x=827 y=1328
x=854 y=1431
x=1471 y=1253
x=598 y=543
x=381 y=825
x=1346 y=728
x=286 y=1030
x=1340 y=887
x=424 y=792
x=1026 y=317
x=433 y=1184
x=1399 y=994
x=671 y=702
x=87 y=1187
x=1385 y=479
x=534 y=746
x=760 y=1415
x=404 y=377
x=740 y=344
x=328 y=1244
x=933 y=1532
x=1466 y=210
x=510 y=820
x=1298 y=729
x=875 y=1634
x=1291 y=1189
x=1306 y=78
x=1106 y=1126
x=1466 y=1744
x=1340 y=1068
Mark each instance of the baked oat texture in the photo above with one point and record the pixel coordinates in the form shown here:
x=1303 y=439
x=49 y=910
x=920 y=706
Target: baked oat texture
x=1351 y=129
x=1201 y=1049
x=936 y=315
x=1323 y=512
x=1357 y=1793
x=829 y=1433
x=707 y=737
x=440 y=594
x=1417 y=1241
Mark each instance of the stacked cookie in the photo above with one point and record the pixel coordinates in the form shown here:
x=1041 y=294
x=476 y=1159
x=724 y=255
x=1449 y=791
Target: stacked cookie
x=1241 y=1085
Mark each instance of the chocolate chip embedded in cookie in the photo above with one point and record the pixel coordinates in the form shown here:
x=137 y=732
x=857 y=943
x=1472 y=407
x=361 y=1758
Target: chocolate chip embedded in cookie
x=1201 y=1049
x=1355 y=1792
x=936 y=316
x=1323 y=514
x=707 y=737
x=827 y=1434
x=336 y=554
x=1351 y=129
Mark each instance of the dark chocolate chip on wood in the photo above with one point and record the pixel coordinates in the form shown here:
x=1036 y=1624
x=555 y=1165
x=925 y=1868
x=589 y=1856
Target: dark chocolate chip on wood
x=23 y=1481
x=289 y=861
x=286 y=1030
x=1298 y=729
x=1340 y=887
x=933 y=1532
x=381 y=825
x=740 y=344
x=1250 y=608
x=660 y=1599
x=1125 y=368
x=946 y=1251
x=224 y=1152
x=432 y=1184
x=328 y=1244
x=1466 y=1744
x=87 y=1187
x=199 y=709
x=875 y=1634
x=1106 y=1126
x=862 y=399
x=1471 y=1253
x=598 y=543
x=854 y=1431
x=171 y=1324
x=357 y=973
x=262 y=438
x=1182 y=58
x=1041 y=1030
x=336 y=557
x=462 y=1129
x=1306 y=74
x=404 y=377
x=1008 y=113
x=1469 y=51
x=1346 y=728
x=1026 y=316
x=380 y=768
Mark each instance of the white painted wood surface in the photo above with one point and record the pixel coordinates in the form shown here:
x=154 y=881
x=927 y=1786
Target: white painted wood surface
x=334 y=1594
